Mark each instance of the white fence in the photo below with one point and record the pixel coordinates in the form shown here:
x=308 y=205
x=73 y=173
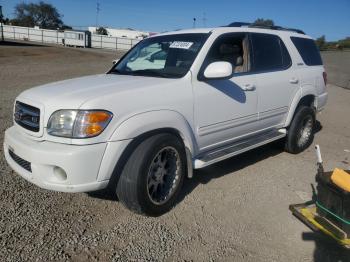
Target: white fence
x=57 y=37
x=107 y=42
x=32 y=34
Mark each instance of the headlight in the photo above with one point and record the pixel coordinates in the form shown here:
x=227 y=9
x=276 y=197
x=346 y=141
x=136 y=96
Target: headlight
x=78 y=123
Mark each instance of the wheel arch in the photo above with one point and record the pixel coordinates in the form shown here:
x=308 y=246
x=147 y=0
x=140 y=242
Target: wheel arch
x=142 y=126
x=154 y=122
x=305 y=96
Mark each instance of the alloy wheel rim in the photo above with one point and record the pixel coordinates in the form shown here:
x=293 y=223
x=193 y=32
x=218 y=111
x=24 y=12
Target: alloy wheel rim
x=305 y=131
x=163 y=175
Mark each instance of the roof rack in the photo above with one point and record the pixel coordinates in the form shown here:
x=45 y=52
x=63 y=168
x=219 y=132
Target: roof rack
x=244 y=24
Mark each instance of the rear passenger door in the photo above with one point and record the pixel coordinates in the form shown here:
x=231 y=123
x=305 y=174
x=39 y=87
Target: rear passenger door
x=276 y=81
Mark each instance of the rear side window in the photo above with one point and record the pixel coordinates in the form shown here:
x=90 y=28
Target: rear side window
x=308 y=51
x=269 y=53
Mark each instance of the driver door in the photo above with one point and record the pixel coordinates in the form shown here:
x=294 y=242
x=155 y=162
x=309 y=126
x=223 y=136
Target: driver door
x=225 y=110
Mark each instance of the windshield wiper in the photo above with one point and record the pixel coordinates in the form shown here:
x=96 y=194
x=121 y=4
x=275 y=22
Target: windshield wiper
x=117 y=71
x=152 y=72
x=144 y=72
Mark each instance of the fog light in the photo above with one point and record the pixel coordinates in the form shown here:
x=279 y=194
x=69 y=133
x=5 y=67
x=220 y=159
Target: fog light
x=59 y=173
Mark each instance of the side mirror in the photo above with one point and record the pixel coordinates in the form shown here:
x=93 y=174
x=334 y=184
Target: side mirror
x=115 y=61
x=218 y=70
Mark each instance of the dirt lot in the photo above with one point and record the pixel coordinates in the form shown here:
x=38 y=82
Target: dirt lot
x=236 y=210
x=337 y=66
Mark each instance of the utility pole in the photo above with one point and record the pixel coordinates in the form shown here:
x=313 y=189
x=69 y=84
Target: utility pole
x=204 y=20
x=194 y=22
x=1 y=24
x=98 y=9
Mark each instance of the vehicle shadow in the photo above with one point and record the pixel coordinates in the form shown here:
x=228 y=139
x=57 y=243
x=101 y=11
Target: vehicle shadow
x=205 y=175
x=326 y=250
x=20 y=44
x=228 y=166
x=230 y=89
x=234 y=164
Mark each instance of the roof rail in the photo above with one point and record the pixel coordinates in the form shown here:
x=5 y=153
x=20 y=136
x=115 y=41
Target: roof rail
x=274 y=27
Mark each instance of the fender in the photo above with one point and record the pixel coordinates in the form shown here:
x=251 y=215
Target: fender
x=302 y=92
x=152 y=120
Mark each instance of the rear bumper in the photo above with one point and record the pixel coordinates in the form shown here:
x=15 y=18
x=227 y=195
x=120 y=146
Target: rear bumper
x=322 y=101
x=82 y=165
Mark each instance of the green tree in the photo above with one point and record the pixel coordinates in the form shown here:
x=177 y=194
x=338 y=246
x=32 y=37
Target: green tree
x=37 y=14
x=101 y=31
x=321 y=42
x=263 y=22
x=345 y=43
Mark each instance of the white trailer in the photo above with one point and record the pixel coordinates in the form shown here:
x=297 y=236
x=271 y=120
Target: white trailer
x=77 y=38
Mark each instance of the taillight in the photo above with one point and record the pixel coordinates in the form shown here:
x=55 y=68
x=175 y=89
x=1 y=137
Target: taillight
x=325 y=78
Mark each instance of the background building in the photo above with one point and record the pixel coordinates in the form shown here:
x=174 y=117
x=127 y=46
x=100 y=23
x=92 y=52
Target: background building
x=124 y=33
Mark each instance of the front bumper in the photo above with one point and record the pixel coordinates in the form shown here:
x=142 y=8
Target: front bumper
x=86 y=167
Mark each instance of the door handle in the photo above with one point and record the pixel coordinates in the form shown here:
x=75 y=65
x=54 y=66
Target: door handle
x=294 y=80
x=249 y=87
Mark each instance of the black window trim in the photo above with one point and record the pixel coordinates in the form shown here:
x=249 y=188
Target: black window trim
x=201 y=78
x=268 y=71
x=200 y=75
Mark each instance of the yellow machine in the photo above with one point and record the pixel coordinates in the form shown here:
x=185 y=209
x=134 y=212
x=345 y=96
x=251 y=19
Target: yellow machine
x=329 y=210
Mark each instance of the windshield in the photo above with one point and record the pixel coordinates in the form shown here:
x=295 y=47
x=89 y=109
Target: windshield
x=169 y=56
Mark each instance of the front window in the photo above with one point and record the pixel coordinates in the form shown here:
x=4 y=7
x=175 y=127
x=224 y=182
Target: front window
x=169 y=56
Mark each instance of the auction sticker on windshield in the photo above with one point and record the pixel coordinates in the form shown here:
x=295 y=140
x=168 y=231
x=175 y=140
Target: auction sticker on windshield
x=182 y=45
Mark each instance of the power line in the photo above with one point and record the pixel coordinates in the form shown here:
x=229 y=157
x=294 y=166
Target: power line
x=204 y=20
x=98 y=9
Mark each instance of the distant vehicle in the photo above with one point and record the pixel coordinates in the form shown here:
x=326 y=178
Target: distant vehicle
x=176 y=102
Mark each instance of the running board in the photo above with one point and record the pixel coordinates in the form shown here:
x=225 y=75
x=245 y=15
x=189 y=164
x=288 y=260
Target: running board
x=223 y=153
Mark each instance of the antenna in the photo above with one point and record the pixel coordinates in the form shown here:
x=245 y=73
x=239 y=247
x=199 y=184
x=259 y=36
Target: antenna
x=204 y=20
x=194 y=22
x=98 y=9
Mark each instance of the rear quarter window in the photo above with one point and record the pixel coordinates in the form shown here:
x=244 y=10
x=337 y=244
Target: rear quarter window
x=307 y=50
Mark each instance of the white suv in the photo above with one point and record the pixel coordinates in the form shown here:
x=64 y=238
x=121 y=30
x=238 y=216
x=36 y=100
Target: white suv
x=175 y=102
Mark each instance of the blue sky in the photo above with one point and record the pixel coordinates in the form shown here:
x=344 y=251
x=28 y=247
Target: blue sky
x=315 y=17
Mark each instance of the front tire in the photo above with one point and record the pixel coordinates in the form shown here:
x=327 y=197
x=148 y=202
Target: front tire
x=153 y=175
x=301 y=131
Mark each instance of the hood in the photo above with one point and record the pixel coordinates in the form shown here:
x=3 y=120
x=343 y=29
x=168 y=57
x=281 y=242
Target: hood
x=72 y=93
x=123 y=95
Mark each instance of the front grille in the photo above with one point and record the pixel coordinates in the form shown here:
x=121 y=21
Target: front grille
x=23 y=163
x=27 y=116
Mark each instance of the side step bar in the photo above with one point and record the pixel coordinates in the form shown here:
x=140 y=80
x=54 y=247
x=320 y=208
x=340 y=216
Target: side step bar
x=223 y=153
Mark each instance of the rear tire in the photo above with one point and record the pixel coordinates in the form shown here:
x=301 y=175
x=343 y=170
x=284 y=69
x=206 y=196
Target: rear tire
x=153 y=175
x=301 y=131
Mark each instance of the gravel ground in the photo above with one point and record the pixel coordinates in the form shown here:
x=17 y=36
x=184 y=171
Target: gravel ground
x=236 y=210
x=338 y=67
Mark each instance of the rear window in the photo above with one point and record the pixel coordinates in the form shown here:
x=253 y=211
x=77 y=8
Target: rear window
x=269 y=53
x=308 y=51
